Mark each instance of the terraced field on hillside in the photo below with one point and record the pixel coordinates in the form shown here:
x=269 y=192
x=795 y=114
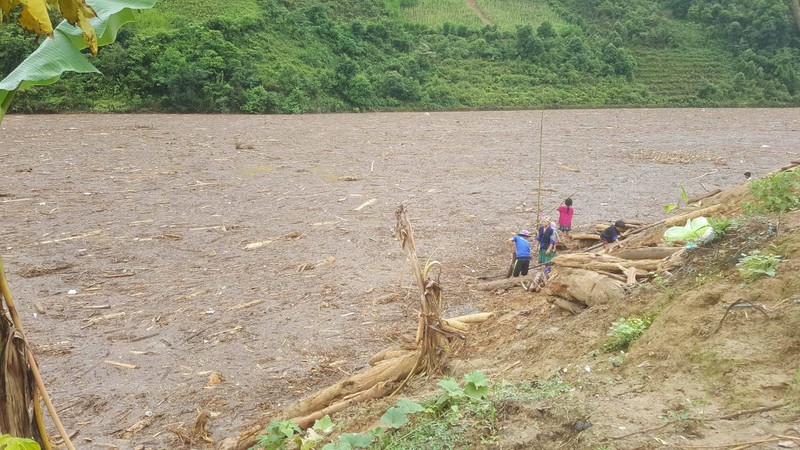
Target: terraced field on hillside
x=506 y=15
x=676 y=74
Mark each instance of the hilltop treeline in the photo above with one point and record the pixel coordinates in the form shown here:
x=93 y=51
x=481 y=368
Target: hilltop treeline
x=323 y=56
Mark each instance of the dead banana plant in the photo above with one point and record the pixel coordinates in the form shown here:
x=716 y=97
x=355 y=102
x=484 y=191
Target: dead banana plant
x=433 y=339
x=21 y=385
x=433 y=334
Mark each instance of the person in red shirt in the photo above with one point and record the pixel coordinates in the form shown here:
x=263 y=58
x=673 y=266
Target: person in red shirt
x=565 y=213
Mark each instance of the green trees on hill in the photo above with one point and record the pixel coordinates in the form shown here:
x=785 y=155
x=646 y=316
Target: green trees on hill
x=355 y=55
x=763 y=36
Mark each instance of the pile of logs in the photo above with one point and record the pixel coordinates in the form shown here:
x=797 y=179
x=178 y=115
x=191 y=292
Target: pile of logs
x=588 y=279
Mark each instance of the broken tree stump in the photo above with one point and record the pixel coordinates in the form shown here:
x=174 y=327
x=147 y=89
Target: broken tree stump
x=567 y=305
x=631 y=273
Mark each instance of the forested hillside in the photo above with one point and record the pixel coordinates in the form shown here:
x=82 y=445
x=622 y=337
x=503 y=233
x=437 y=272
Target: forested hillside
x=296 y=56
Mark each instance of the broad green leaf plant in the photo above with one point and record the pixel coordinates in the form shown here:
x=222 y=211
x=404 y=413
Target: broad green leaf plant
x=8 y=442
x=63 y=51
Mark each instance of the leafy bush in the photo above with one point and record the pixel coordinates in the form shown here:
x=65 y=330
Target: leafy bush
x=721 y=225
x=625 y=331
x=440 y=422
x=276 y=434
x=777 y=193
x=756 y=265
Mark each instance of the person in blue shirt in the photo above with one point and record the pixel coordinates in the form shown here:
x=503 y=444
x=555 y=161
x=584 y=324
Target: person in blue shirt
x=522 y=260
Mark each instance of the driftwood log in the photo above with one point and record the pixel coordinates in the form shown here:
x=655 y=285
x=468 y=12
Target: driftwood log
x=703 y=196
x=386 y=354
x=681 y=219
x=585 y=286
x=647 y=252
x=585 y=236
x=505 y=283
x=474 y=318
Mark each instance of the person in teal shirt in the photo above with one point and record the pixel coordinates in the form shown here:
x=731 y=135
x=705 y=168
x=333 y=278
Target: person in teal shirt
x=547 y=237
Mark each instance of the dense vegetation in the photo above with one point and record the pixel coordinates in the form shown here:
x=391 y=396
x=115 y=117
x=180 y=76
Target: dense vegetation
x=294 y=56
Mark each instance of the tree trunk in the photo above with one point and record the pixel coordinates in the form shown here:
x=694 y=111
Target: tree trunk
x=386 y=354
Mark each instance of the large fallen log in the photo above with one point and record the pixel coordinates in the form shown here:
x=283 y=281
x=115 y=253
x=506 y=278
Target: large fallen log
x=387 y=353
x=631 y=274
x=377 y=391
x=585 y=286
x=473 y=318
x=647 y=252
x=600 y=227
x=585 y=236
x=596 y=261
x=369 y=384
x=394 y=369
x=505 y=283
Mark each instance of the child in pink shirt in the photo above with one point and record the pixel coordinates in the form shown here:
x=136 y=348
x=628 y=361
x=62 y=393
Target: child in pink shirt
x=565 y=213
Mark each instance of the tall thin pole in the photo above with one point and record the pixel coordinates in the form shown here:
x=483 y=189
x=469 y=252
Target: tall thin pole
x=539 y=190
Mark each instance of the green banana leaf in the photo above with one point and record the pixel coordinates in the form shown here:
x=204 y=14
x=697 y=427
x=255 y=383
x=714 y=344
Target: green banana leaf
x=62 y=52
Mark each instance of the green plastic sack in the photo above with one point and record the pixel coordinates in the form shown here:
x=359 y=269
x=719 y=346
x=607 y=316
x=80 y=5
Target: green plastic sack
x=697 y=229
